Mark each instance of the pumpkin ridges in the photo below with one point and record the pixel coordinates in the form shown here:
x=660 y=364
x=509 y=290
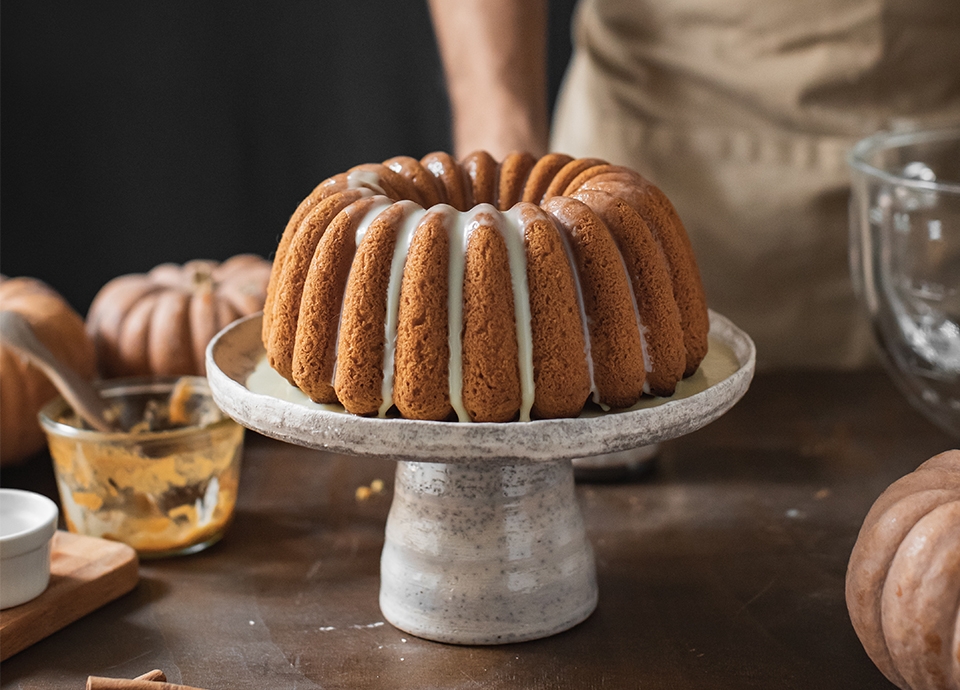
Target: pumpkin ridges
x=169 y=350
x=132 y=343
x=53 y=320
x=203 y=326
x=946 y=461
x=245 y=292
x=934 y=479
x=226 y=314
x=921 y=598
x=107 y=314
x=196 y=272
x=242 y=280
x=15 y=289
x=23 y=387
x=243 y=303
x=184 y=339
x=167 y=275
x=936 y=473
x=237 y=264
x=872 y=557
x=955 y=646
x=893 y=515
x=18 y=439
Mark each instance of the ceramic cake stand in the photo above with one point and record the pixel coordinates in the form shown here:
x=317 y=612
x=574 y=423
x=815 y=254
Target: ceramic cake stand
x=485 y=543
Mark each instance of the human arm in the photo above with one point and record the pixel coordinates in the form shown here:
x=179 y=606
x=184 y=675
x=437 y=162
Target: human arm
x=494 y=60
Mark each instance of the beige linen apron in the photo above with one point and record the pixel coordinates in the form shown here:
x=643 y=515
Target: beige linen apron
x=743 y=111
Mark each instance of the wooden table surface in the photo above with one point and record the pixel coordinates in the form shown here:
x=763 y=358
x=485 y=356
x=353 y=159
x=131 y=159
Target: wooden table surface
x=722 y=569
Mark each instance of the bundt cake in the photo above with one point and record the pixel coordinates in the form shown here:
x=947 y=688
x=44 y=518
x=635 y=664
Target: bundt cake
x=480 y=291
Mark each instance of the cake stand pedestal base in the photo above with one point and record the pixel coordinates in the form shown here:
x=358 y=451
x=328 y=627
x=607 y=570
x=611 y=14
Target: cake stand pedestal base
x=487 y=552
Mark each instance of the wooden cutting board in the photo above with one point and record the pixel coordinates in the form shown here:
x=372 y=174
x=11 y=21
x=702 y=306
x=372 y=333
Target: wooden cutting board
x=85 y=574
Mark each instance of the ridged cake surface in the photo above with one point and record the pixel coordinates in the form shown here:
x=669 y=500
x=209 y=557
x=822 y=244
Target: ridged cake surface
x=481 y=291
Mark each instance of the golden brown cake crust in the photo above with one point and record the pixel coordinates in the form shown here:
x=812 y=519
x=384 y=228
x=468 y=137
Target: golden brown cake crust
x=542 y=174
x=567 y=174
x=660 y=216
x=511 y=177
x=293 y=273
x=395 y=185
x=314 y=352
x=429 y=188
x=481 y=170
x=692 y=300
x=319 y=193
x=451 y=177
x=360 y=345
x=560 y=370
x=491 y=372
x=615 y=346
x=422 y=363
x=603 y=249
x=652 y=288
x=348 y=181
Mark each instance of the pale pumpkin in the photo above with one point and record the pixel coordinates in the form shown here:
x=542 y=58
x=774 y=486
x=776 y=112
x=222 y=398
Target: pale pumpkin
x=24 y=388
x=159 y=323
x=903 y=579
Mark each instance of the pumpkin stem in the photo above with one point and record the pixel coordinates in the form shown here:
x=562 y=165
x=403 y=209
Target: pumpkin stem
x=201 y=279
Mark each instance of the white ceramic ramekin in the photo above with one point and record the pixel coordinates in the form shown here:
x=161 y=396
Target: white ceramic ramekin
x=28 y=522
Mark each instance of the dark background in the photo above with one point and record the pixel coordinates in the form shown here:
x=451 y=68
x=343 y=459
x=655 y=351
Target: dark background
x=134 y=133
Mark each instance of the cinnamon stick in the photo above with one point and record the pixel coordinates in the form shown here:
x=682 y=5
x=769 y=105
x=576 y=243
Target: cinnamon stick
x=101 y=683
x=155 y=675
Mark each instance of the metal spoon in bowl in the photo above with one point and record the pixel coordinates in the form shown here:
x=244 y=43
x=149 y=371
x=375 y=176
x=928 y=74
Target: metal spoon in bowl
x=86 y=401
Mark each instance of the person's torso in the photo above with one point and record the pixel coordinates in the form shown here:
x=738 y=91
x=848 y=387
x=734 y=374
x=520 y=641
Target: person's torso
x=836 y=67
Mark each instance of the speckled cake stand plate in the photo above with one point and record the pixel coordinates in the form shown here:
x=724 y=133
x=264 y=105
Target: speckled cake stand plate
x=485 y=543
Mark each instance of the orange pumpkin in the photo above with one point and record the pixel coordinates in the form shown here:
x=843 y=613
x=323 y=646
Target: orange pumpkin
x=24 y=388
x=903 y=579
x=161 y=322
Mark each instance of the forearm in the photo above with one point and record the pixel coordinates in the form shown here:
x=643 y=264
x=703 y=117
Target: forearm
x=494 y=58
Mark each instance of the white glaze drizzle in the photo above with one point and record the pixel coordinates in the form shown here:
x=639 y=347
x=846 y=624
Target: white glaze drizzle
x=513 y=235
x=379 y=206
x=461 y=225
x=584 y=319
x=413 y=213
x=641 y=329
x=455 y=222
x=364 y=179
x=461 y=228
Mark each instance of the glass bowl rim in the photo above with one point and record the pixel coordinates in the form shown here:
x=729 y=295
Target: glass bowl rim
x=115 y=385
x=857 y=157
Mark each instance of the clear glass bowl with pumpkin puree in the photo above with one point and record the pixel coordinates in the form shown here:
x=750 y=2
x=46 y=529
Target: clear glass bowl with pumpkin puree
x=166 y=486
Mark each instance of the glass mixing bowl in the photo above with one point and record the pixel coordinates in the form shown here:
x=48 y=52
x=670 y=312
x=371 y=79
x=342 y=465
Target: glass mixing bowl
x=905 y=261
x=168 y=486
